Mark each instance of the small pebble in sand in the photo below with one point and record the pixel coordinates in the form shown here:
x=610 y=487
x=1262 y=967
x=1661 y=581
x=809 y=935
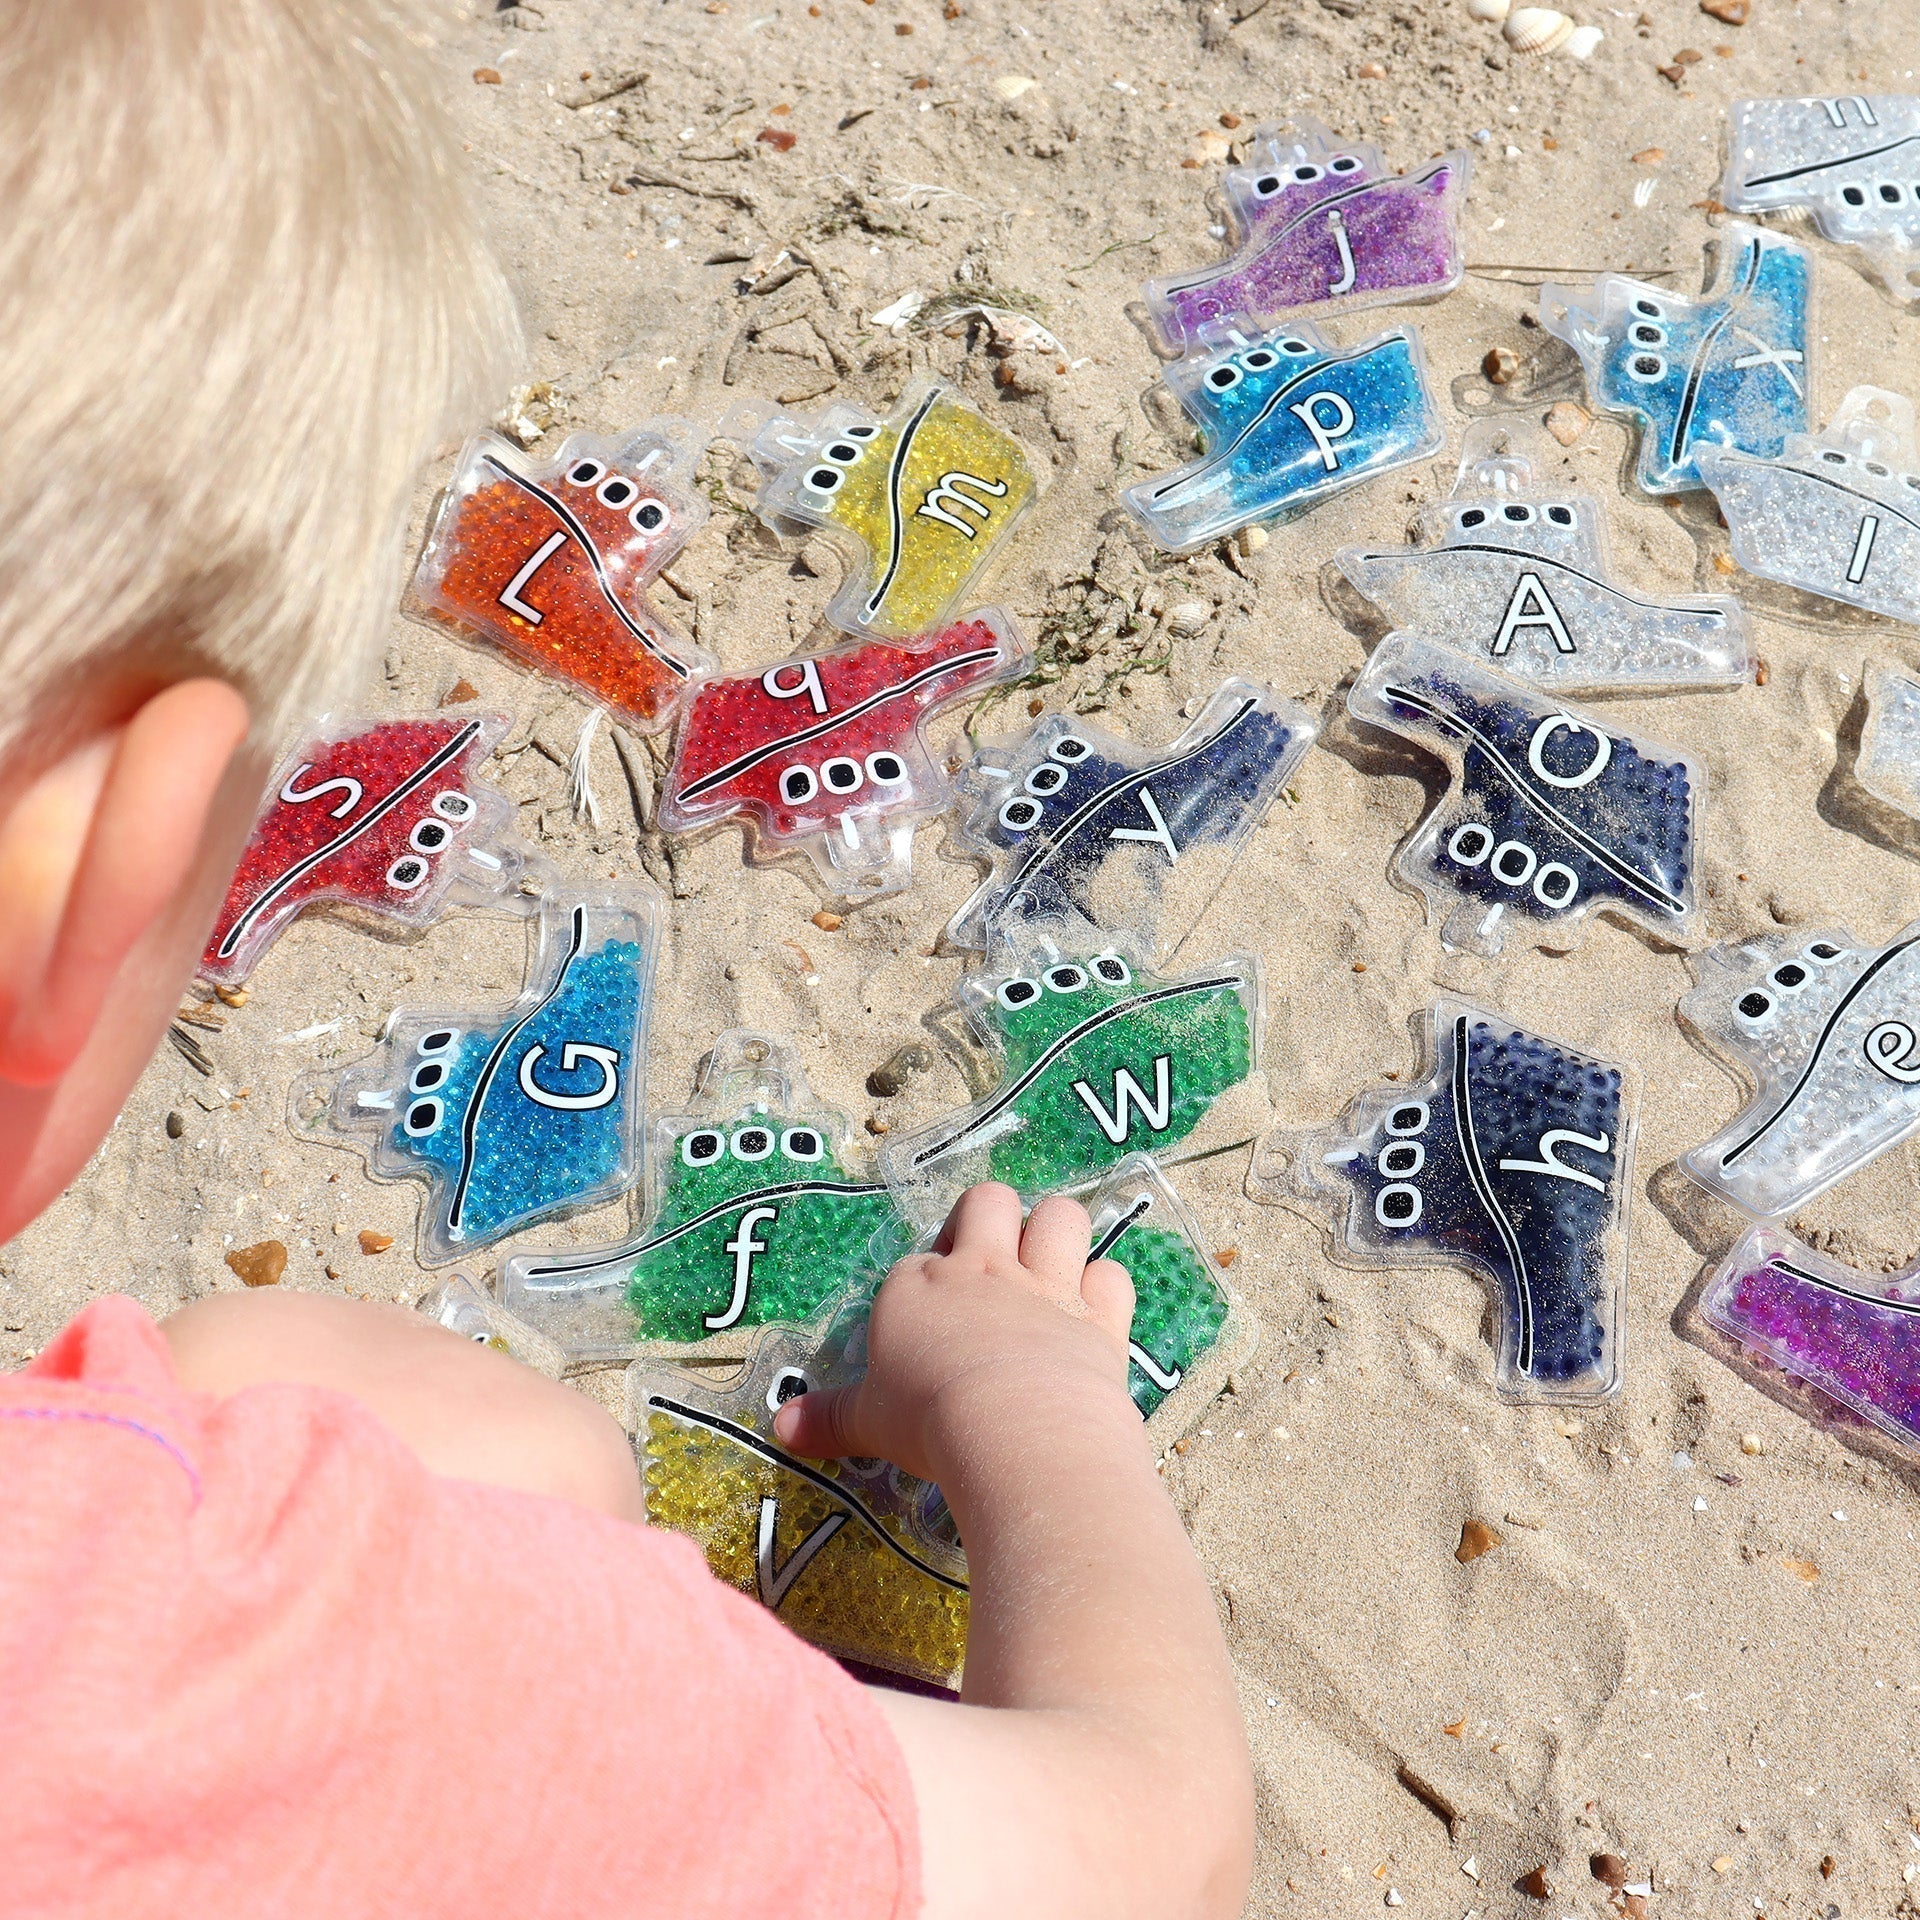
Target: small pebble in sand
x=486 y=76
x=460 y=693
x=1760 y=672
x=233 y=996
x=1501 y=366
x=1609 y=1869
x=1723 y=1863
x=1372 y=70
x=1470 y=1866
x=778 y=138
x=827 y=922
x=1393 y=1897
x=372 y=1242
x=1457 y=1731
x=1567 y=421
x=1733 y=13
x=1476 y=1538
x=1724 y=563
x=1359 y=966
x=1537 y=1884
x=176 y=1125
x=1803 y=1570
x=1649 y=156
x=1231 y=120
x=1227 y=1255
x=1752 y=1443
x=1828 y=1866
x=876 y=1125
x=260 y=1265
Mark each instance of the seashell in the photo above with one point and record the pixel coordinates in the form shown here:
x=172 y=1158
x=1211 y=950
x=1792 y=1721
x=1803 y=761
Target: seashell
x=1187 y=618
x=1537 y=29
x=1582 y=41
x=1010 y=86
x=1491 y=11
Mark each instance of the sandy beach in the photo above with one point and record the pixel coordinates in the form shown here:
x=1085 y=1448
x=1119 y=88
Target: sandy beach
x=1694 y=1646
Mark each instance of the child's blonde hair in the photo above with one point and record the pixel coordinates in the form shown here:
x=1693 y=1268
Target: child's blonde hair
x=242 y=297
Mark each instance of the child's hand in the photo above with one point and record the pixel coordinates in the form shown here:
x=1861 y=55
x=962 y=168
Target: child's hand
x=991 y=1320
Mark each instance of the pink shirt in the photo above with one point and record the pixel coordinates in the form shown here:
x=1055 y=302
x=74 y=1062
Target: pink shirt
x=255 y=1660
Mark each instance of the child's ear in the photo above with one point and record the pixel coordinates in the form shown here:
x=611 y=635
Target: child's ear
x=90 y=854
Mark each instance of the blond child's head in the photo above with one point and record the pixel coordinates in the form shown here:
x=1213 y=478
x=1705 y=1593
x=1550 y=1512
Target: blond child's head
x=242 y=298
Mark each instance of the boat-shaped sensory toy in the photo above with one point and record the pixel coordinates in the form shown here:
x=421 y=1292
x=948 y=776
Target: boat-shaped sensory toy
x=1825 y=1032
x=760 y=1213
x=1834 y=513
x=1085 y=828
x=1855 y=1336
x=1095 y=1057
x=1324 y=224
x=1850 y=160
x=1728 y=368
x=549 y=562
x=826 y=754
x=520 y=1114
x=1516 y=573
x=1190 y=1329
x=1553 y=813
x=1286 y=419
x=919 y=503
x=1889 y=762
x=389 y=818
x=851 y=1554
x=1510 y=1155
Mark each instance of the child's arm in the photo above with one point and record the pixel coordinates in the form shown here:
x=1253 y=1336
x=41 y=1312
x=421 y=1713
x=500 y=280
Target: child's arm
x=1098 y=1766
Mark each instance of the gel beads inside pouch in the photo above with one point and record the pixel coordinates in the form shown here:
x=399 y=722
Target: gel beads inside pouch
x=1085 y=828
x=1512 y=1157
x=1826 y=1033
x=1189 y=1327
x=1553 y=814
x=1852 y=161
x=920 y=502
x=1097 y=1057
x=1727 y=369
x=1889 y=761
x=848 y=1553
x=1517 y=574
x=826 y=754
x=1323 y=223
x=549 y=561
x=386 y=817
x=1837 y=513
x=761 y=1213
x=520 y=1114
x=1854 y=1336
x=1285 y=420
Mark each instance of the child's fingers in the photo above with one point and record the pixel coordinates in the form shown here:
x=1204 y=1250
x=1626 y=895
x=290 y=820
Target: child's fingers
x=821 y=1425
x=1107 y=1288
x=1054 y=1246
x=985 y=1222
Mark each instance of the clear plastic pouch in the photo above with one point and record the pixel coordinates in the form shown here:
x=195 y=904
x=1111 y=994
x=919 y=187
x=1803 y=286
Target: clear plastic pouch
x=1729 y=368
x=853 y=1555
x=1091 y=1057
x=387 y=818
x=1085 y=829
x=761 y=1212
x=1286 y=419
x=1889 y=762
x=1508 y=1154
x=1835 y=513
x=1518 y=575
x=826 y=754
x=1849 y=160
x=1321 y=223
x=549 y=561
x=1553 y=814
x=1823 y=1030
x=920 y=503
x=511 y=1115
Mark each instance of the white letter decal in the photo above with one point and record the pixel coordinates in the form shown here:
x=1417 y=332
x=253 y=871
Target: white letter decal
x=1553 y=1166
x=351 y=788
x=1128 y=1093
x=571 y=1054
x=808 y=683
x=1532 y=606
x=1602 y=751
x=1157 y=833
x=511 y=600
x=1325 y=436
x=743 y=1246
x=775 y=1585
